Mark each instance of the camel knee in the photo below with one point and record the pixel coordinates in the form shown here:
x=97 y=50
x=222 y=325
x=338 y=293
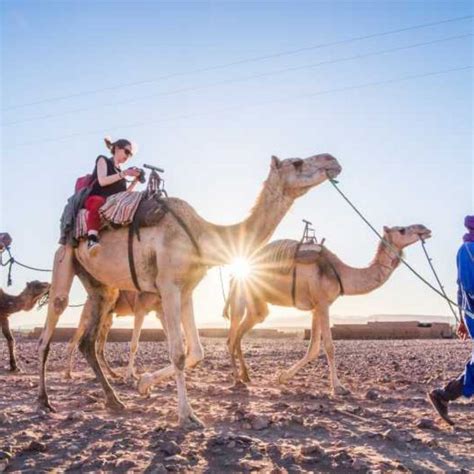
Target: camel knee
x=178 y=358
x=60 y=304
x=86 y=345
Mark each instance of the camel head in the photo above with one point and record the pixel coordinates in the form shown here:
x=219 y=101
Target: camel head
x=35 y=291
x=401 y=237
x=296 y=176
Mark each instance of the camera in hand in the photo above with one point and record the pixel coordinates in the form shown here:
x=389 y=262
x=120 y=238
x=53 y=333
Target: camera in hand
x=141 y=177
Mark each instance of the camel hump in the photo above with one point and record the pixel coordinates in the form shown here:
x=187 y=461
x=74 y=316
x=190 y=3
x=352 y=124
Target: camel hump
x=308 y=253
x=281 y=255
x=277 y=256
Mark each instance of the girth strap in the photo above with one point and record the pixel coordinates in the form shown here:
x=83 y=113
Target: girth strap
x=293 y=283
x=341 y=286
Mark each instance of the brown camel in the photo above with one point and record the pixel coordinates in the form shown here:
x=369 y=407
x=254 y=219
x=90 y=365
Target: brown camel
x=318 y=281
x=171 y=258
x=10 y=304
x=129 y=303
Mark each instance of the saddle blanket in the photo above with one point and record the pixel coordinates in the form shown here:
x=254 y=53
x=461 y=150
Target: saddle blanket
x=119 y=209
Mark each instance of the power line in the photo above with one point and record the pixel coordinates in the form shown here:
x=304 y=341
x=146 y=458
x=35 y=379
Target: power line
x=227 y=109
x=233 y=81
x=239 y=62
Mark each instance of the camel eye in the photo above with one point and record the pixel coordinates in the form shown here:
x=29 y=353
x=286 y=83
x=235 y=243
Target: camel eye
x=298 y=164
x=403 y=230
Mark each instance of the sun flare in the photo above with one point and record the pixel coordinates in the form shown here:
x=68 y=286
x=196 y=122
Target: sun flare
x=240 y=268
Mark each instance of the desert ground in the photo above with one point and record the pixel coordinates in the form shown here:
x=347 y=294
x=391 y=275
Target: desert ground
x=386 y=424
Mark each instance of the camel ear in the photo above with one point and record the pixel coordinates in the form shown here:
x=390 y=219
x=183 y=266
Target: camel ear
x=386 y=229
x=276 y=163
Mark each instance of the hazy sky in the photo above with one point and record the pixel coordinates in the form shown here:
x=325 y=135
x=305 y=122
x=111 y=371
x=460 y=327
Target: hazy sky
x=210 y=90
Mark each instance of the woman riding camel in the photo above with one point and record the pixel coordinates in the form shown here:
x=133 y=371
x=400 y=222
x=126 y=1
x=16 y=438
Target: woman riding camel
x=108 y=178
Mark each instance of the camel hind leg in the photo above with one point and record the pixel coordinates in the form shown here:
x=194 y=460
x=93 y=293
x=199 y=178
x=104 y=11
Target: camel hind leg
x=72 y=346
x=63 y=274
x=137 y=328
x=100 y=301
x=104 y=330
x=257 y=314
x=237 y=308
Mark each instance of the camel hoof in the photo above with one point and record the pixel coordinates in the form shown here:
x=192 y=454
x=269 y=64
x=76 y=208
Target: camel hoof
x=46 y=406
x=130 y=377
x=245 y=379
x=15 y=370
x=144 y=385
x=115 y=405
x=191 y=422
x=283 y=378
x=341 y=390
x=238 y=385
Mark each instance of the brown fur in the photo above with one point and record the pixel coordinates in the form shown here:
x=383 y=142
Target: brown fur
x=10 y=304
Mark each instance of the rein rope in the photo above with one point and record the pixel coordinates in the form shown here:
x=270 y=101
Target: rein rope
x=11 y=260
x=441 y=293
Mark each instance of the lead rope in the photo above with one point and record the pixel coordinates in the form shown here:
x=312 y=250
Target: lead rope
x=426 y=282
x=423 y=244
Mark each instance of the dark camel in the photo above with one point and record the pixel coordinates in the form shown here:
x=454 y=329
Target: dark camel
x=10 y=304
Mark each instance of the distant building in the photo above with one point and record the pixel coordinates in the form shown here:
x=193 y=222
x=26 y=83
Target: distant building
x=391 y=330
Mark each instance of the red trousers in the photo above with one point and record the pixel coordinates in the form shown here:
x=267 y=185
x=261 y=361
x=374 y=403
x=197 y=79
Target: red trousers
x=92 y=204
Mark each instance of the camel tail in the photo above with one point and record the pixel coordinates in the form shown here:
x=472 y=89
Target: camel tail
x=229 y=300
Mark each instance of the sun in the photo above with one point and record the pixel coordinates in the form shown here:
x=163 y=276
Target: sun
x=240 y=268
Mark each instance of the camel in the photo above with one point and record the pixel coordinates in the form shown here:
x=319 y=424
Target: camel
x=10 y=304
x=171 y=258
x=319 y=280
x=129 y=303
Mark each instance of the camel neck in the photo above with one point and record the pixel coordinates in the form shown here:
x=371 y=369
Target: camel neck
x=221 y=244
x=359 y=281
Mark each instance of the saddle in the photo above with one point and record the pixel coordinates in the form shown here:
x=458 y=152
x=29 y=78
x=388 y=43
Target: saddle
x=308 y=253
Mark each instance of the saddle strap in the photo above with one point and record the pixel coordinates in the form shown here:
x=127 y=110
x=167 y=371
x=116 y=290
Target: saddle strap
x=185 y=228
x=131 y=259
x=132 y=228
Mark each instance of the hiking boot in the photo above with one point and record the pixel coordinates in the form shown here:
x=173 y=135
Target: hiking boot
x=440 y=398
x=93 y=246
x=440 y=405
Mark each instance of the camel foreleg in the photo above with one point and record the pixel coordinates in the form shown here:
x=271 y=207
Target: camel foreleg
x=172 y=307
x=11 y=344
x=63 y=274
x=194 y=352
x=337 y=387
x=312 y=352
x=72 y=346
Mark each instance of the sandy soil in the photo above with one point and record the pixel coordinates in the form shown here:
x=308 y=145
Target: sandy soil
x=385 y=424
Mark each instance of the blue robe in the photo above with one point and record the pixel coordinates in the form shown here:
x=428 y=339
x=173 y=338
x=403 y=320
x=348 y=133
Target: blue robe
x=465 y=264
